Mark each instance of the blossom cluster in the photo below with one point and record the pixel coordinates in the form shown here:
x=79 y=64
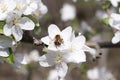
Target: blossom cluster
x=15 y=12
x=63 y=48
x=114 y=22
x=16 y=16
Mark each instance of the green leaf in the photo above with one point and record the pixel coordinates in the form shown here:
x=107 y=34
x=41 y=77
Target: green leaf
x=10 y=58
x=37 y=30
x=106 y=21
x=106 y=4
x=2 y=23
x=84 y=68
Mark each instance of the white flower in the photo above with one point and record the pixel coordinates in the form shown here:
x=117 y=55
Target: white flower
x=54 y=76
x=85 y=27
x=32 y=5
x=34 y=55
x=93 y=74
x=20 y=7
x=75 y=51
x=56 y=39
x=41 y=10
x=6 y=7
x=115 y=2
x=26 y=59
x=56 y=59
x=15 y=24
x=18 y=58
x=100 y=74
x=114 y=21
x=116 y=38
x=5 y=43
x=68 y=12
x=101 y=14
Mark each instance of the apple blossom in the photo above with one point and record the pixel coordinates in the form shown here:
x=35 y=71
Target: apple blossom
x=116 y=37
x=57 y=59
x=53 y=75
x=41 y=10
x=56 y=39
x=6 y=7
x=68 y=12
x=114 y=23
x=100 y=74
x=32 y=5
x=15 y=24
x=115 y=2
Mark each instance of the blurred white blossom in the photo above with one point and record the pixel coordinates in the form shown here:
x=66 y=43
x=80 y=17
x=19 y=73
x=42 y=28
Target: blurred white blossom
x=85 y=27
x=114 y=23
x=68 y=12
x=116 y=37
x=53 y=75
x=101 y=14
x=5 y=44
x=114 y=2
x=15 y=24
x=6 y=7
x=100 y=74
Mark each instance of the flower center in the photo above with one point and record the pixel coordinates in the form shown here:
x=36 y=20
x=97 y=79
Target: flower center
x=72 y=48
x=4 y=8
x=58 y=58
x=18 y=7
x=15 y=21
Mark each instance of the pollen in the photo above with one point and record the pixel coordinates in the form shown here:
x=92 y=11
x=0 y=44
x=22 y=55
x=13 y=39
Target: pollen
x=58 y=59
x=18 y=7
x=4 y=8
x=15 y=21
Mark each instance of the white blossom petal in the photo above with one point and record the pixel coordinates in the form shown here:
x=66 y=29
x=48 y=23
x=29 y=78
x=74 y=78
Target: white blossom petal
x=47 y=60
x=4 y=52
x=17 y=33
x=26 y=24
x=116 y=38
x=76 y=57
x=53 y=75
x=5 y=42
x=90 y=50
x=46 y=40
x=30 y=8
x=79 y=40
x=66 y=33
x=7 y=29
x=53 y=30
x=62 y=69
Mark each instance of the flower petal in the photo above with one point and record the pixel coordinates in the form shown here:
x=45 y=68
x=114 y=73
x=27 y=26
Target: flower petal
x=26 y=24
x=76 y=57
x=7 y=29
x=62 y=69
x=79 y=40
x=5 y=42
x=116 y=38
x=90 y=50
x=46 y=60
x=53 y=30
x=66 y=33
x=17 y=33
x=4 y=52
x=46 y=40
